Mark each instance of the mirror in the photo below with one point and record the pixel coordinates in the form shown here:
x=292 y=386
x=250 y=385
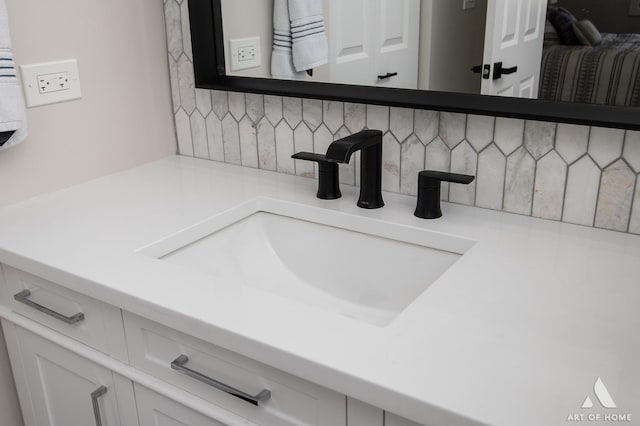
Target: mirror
x=574 y=61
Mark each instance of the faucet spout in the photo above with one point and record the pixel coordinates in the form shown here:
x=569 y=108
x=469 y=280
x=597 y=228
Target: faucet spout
x=342 y=149
x=370 y=143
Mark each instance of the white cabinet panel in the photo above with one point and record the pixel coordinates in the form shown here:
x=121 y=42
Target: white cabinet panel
x=156 y=410
x=100 y=326
x=59 y=388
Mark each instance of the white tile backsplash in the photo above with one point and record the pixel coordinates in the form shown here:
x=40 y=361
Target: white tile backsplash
x=576 y=174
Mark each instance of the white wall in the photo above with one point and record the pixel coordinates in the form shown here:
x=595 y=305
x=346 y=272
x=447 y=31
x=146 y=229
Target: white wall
x=457 y=44
x=123 y=120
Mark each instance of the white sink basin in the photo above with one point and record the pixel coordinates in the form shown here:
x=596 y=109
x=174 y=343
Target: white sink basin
x=357 y=267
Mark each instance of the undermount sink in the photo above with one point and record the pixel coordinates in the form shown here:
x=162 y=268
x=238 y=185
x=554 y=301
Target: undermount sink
x=358 y=267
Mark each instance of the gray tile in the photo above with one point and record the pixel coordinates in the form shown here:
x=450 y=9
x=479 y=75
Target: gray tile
x=390 y=164
x=539 y=137
x=237 y=105
x=231 y=140
x=284 y=149
x=186 y=30
x=548 y=196
x=175 y=85
x=438 y=157
x=426 y=125
x=203 y=101
x=266 y=146
x=355 y=117
x=183 y=131
x=273 y=109
x=401 y=123
x=199 y=135
x=518 y=190
x=255 y=106
x=187 y=85
x=220 y=103
x=605 y=145
x=214 y=138
x=634 y=226
x=412 y=160
x=463 y=160
x=292 y=111
x=572 y=141
x=509 y=134
x=581 y=196
x=480 y=131
x=632 y=149
x=303 y=142
x=378 y=117
x=248 y=143
x=174 y=29
x=333 y=113
x=492 y=166
x=312 y=113
x=452 y=128
x=616 y=195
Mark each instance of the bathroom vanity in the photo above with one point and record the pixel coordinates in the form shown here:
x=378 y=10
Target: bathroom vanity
x=198 y=293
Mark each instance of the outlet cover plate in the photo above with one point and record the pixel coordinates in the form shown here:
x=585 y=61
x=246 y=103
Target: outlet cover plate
x=245 y=45
x=634 y=8
x=36 y=76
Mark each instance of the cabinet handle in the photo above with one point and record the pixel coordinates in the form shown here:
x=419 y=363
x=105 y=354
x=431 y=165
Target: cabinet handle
x=96 y=407
x=179 y=364
x=23 y=297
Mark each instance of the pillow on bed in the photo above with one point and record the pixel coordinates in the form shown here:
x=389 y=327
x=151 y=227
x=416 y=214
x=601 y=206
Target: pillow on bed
x=551 y=37
x=587 y=33
x=563 y=20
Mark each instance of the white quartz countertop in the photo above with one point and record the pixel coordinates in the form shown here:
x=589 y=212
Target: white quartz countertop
x=515 y=333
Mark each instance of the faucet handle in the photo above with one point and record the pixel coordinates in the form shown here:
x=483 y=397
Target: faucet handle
x=328 y=177
x=429 y=184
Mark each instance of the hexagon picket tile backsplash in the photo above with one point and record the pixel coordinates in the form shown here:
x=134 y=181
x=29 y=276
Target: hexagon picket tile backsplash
x=577 y=174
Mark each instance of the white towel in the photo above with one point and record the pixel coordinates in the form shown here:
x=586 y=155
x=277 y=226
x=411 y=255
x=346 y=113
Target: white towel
x=310 y=45
x=13 y=124
x=299 y=39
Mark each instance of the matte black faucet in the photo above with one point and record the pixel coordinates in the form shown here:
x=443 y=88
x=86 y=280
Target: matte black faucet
x=370 y=143
x=429 y=183
x=328 y=177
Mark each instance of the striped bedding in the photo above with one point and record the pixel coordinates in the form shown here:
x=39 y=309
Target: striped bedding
x=606 y=74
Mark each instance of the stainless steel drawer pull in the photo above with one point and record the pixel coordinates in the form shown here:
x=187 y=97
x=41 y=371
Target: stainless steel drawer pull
x=96 y=407
x=179 y=364
x=23 y=297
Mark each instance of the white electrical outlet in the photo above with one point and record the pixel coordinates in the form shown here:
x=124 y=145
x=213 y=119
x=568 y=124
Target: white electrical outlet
x=245 y=53
x=53 y=82
x=50 y=82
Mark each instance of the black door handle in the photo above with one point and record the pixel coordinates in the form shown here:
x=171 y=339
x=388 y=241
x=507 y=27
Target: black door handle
x=387 y=76
x=499 y=70
x=485 y=70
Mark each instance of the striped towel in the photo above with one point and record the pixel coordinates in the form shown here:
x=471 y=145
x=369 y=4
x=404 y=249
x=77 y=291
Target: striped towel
x=299 y=38
x=12 y=114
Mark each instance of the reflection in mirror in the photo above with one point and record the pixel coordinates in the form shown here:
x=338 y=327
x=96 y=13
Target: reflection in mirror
x=585 y=51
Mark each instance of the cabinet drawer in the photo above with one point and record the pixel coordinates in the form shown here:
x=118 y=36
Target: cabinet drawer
x=292 y=402
x=87 y=320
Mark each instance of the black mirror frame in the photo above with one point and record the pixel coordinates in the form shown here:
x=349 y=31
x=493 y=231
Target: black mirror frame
x=210 y=73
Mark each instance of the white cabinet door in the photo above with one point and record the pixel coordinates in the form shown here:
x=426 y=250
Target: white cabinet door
x=374 y=38
x=59 y=388
x=156 y=410
x=514 y=38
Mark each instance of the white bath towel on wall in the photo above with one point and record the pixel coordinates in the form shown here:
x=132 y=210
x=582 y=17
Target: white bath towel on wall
x=13 y=124
x=299 y=39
